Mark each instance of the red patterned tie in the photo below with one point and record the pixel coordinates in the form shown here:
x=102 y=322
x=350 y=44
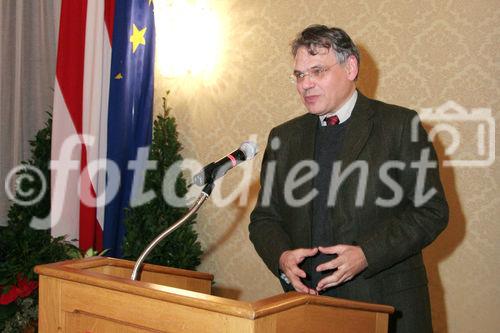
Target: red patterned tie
x=332 y=121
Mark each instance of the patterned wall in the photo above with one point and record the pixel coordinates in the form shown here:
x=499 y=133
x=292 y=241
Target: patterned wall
x=418 y=54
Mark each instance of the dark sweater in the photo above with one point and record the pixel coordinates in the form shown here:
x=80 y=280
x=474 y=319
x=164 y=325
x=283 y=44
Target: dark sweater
x=328 y=144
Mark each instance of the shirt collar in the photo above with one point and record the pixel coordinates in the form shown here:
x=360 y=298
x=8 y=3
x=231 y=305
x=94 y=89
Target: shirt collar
x=344 y=112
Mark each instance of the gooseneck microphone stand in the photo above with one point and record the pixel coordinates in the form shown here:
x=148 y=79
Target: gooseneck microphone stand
x=205 y=193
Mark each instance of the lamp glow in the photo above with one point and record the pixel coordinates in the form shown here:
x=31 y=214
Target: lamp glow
x=188 y=38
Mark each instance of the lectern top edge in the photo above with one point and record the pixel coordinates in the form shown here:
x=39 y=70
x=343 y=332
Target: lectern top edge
x=108 y=261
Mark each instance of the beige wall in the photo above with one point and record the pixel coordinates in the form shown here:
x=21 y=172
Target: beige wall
x=414 y=53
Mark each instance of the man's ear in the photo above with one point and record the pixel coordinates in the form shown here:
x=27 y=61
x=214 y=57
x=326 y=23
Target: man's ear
x=351 y=68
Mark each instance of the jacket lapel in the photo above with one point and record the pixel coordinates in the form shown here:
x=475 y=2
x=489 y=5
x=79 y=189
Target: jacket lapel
x=355 y=139
x=306 y=138
x=358 y=131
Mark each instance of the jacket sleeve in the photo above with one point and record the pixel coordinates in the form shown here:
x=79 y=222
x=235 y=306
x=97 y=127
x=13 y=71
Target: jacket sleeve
x=266 y=232
x=424 y=212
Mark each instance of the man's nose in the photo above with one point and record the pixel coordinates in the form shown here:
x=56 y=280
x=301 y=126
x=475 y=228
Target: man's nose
x=307 y=83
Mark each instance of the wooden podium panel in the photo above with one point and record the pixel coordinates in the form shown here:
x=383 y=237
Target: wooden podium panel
x=96 y=295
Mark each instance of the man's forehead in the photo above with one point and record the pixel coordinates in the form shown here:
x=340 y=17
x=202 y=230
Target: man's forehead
x=307 y=59
x=316 y=49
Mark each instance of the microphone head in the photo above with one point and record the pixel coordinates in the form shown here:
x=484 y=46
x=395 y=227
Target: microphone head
x=249 y=148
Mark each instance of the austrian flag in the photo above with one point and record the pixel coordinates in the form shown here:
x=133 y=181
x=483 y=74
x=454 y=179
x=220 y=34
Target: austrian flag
x=102 y=115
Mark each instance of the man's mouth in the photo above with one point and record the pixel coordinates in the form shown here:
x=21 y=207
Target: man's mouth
x=311 y=99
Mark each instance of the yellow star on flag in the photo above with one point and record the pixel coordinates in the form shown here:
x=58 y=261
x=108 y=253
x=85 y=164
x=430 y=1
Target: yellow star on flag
x=137 y=37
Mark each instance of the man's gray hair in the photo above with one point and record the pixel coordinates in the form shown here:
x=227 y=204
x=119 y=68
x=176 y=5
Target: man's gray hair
x=318 y=36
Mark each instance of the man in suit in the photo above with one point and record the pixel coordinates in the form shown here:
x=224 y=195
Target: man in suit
x=345 y=210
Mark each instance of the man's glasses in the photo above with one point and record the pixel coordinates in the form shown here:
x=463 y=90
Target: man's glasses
x=316 y=73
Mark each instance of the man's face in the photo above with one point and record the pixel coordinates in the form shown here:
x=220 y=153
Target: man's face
x=332 y=88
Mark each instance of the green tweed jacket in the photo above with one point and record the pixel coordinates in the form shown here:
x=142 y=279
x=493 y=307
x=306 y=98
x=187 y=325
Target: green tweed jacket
x=392 y=238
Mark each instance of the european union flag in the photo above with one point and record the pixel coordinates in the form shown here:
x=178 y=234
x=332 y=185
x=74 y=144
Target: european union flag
x=130 y=104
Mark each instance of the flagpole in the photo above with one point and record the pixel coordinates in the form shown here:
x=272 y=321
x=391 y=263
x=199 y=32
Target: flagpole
x=205 y=193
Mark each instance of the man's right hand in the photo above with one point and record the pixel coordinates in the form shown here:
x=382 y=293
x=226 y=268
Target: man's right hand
x=289 y=264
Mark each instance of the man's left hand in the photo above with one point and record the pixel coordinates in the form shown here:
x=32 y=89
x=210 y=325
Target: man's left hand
x=350 y=261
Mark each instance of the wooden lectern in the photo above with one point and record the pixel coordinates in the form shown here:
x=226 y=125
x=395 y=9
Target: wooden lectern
x=97 y=295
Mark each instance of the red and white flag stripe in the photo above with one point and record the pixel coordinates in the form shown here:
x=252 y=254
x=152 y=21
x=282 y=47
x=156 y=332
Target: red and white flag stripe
x=80 y=120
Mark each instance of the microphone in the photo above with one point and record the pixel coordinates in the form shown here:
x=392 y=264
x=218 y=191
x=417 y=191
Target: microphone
x=215 y=170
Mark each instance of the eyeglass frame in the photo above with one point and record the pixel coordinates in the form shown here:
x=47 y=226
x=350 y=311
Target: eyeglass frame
x=314 y=74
